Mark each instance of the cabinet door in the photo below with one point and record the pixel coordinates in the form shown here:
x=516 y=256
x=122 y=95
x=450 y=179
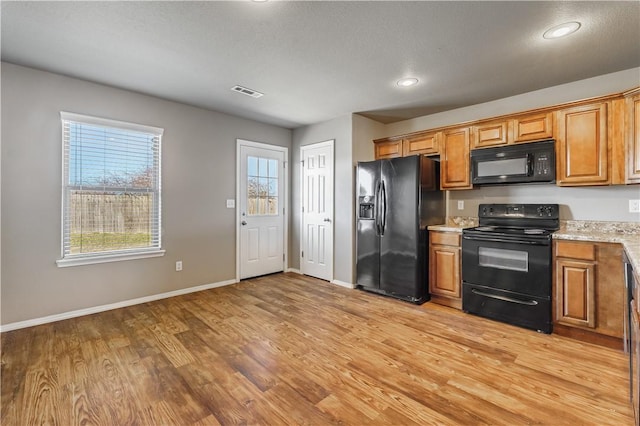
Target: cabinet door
x=455 y=159
x=420 y=144
x=575 y=293
x=633 y=138
x=582 y=157
x=388 y=149
x=444 y=274
x=533 y=127
x=491 y=134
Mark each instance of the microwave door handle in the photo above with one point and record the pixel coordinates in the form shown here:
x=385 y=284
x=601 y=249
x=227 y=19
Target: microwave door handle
x=530 y=171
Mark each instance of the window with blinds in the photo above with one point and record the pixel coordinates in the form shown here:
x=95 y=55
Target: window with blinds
x=111 y=188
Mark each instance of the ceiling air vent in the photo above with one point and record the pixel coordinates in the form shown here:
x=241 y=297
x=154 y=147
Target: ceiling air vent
x=247 y=92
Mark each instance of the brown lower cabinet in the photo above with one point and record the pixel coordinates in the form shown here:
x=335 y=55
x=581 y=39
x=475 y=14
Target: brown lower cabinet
x=589 y=292
x=445 y=273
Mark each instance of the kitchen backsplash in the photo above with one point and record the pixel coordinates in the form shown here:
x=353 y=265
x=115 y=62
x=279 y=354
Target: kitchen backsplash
x=607 y=203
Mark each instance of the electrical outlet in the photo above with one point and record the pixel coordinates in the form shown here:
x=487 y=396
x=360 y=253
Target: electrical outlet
x=179 y=265
x=231 y=204
x=634 y=206
x=460 y=204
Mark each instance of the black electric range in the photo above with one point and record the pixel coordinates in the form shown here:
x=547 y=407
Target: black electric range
x=506 y=264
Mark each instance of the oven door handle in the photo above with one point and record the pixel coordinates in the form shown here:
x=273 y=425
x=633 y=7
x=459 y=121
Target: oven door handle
x=505 y=298
x=506 y=240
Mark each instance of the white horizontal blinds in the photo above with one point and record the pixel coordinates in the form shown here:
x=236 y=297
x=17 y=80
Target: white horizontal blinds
x=111 y=186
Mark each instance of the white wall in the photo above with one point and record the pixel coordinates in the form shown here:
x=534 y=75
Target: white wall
x=365 y=130
x=338 y=129
x=198 y=175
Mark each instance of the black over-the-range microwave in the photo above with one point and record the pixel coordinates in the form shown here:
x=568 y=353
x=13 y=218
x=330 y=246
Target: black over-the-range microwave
x=529 y=162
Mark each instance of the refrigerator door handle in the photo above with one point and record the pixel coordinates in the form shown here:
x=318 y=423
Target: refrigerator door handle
x=384 y=209
x=376 y=213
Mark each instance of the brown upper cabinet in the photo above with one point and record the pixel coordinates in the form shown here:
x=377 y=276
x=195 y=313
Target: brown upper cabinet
x=424 y=144
x=491 y=134
x=632 y=137
x=581 y=146
x=533 y=127
x=523 y=128
x=597 y=141
x=455 y=167
x=388 y=148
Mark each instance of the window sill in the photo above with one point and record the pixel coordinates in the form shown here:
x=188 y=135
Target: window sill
x=104 y=258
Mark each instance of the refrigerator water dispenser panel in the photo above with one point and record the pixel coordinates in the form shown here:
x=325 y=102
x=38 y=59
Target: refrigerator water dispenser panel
x=366 y=208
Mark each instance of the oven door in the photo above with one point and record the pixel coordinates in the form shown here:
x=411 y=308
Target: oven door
x=507 y=279
x=508 y=263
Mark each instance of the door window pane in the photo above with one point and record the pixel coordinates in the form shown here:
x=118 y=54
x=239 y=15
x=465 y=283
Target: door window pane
x=262 y=186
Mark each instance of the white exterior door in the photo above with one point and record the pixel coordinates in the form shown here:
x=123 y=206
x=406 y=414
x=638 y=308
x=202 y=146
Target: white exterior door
x=261 y=198
x=316 y=248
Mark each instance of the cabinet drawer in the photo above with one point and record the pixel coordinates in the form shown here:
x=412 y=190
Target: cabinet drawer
x=575 y=250
x=445 y=238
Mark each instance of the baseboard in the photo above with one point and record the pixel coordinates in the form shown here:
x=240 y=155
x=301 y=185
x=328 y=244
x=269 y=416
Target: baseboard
x=342 y=283
x=336 y=282
x=102 y=308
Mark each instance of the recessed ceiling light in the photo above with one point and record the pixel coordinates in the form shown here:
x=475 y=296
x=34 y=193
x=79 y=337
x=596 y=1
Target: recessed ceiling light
x=407 y=82
x=561 y=30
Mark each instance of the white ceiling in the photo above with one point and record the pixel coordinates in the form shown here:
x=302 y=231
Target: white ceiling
x=318 y=60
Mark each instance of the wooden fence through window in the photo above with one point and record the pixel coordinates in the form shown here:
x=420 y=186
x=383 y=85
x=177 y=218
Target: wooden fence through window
x=111 y=212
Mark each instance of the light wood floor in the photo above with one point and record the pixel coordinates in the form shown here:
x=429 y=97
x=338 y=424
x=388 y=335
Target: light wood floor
x=287 y=349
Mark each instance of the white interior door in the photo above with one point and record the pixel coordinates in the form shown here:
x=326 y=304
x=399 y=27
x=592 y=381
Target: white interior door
x=316 y=252
x=261 y=196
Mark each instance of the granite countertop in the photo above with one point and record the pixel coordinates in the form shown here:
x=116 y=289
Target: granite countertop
x=455 y=224
x=625 y=233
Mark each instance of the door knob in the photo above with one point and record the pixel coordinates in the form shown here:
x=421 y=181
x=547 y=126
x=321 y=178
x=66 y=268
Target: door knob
x=243 y=223
x=326 y=219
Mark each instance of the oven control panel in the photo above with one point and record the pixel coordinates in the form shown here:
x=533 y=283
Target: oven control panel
x=519 y=211
x=550 y=210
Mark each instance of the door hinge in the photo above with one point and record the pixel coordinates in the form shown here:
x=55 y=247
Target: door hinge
x=302 y=255
x=283 y=257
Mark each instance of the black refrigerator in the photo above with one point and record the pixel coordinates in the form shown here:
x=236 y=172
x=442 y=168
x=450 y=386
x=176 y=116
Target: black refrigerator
x=396 y=200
